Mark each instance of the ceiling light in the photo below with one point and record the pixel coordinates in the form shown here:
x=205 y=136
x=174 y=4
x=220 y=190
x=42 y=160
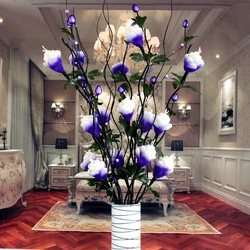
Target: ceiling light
x=217 y=56
x=112 y=42
x=1 y=20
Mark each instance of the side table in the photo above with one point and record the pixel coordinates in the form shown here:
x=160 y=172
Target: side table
x=58 y=175
x=181 y=176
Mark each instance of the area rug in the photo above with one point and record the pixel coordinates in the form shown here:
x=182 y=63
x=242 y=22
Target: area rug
x=96 y=218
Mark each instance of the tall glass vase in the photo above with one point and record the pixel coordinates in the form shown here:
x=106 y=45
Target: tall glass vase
x=126 y=226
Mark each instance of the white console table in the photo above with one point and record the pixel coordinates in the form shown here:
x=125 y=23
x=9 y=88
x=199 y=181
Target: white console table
x=181 y=176
x=12 y=177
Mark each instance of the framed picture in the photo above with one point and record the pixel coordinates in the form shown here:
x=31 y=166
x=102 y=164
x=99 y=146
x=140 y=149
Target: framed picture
x=227 y=113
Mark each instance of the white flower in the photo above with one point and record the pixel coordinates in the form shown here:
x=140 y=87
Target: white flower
x=164 y=166
x=90 y=125
x=193 y=61
x=97 y=169
x=162 y=123
x=134 y=35
x=87 y=159
x=53 y=60
x=126 y=108
x=145 y=154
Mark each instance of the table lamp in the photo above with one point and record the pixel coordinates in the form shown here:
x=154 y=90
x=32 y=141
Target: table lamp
x=61 y=143
x=176 y=145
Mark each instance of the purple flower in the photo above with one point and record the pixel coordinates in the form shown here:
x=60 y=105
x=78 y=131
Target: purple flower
x=185 y=24
x=134 y=35
x=71 y=20
x=88 y=156
x=193 y=61
x=90 y=125
x=80 y=57
x=98 y=170
x=145 y=154
x=126 y=108
x=162 y=123
x=53 y=60
x=103 y=116
x=164 y=166
x=119 y=67
x=147 y=121
x=153 y=79
x=121 y=90
x=117 y=157
x=135 y=8
x=175 y=97
x=98 y=90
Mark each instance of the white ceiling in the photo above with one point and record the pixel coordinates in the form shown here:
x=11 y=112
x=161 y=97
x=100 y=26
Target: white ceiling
x=222 y=26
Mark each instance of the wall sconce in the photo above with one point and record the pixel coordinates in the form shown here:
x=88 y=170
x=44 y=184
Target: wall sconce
x=184 y=111
x=57 y=109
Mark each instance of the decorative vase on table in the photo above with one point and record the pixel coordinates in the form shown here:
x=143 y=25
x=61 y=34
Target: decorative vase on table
x=126 y=132
x=126 y=226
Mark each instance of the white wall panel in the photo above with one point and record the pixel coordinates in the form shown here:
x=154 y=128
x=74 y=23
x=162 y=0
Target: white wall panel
x=217 y=170
x=244 y=176
x=230 y=173
x=206 y=168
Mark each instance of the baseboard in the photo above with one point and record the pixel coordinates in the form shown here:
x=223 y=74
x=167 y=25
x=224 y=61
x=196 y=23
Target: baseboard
x=232 y=201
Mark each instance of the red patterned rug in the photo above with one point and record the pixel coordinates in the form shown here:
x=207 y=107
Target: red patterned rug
x=96 y=218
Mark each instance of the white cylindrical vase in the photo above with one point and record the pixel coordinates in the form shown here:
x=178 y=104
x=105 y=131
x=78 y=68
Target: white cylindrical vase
x=126 y=226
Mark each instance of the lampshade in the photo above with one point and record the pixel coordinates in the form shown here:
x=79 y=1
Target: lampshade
x=177 y=145
x=61 y=143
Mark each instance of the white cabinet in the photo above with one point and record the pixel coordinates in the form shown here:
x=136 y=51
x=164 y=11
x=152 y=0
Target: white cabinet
x=181 y=176
x=58 y=175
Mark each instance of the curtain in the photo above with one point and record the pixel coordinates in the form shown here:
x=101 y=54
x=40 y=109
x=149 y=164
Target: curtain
x=37 y=114
x=19 y=112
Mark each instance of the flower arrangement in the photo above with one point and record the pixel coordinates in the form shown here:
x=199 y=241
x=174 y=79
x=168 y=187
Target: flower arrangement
x=124 y=148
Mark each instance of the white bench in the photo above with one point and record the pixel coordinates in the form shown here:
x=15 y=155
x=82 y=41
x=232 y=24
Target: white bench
x=80 y=192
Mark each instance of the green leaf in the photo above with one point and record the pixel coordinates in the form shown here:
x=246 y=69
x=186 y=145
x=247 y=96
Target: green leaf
x=93 y=73
x=156 y=194
x=148 y=89
x=170 y=111
x=193 y=88
x=66 y=31
x=118 y=77
x=140 y=20
x=159 y=59
x=135 y=77
x=137 y=57
x=187 y=39
x=158 y=150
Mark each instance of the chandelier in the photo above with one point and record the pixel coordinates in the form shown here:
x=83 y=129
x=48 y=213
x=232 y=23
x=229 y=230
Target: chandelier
x=110 y=44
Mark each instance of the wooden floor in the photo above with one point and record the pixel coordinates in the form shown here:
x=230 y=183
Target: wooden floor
x=16 y=224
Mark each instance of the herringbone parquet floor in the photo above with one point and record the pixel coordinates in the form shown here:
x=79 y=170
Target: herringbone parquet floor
x=16 y=223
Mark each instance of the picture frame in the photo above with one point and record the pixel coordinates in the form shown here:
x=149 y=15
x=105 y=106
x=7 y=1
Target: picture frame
x=227 y=109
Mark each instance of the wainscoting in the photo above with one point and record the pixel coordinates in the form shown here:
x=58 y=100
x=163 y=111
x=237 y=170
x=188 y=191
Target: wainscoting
x=225 y=175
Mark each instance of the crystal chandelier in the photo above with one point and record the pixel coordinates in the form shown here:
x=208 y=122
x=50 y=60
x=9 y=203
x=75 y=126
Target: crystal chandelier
x=111 y=43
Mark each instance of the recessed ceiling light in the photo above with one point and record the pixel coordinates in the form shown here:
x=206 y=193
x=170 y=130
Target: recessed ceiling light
x=1 y=20
x=217 y=56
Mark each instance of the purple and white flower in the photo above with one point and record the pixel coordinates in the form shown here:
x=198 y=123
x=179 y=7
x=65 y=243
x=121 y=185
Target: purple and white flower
x=162 y=123
x=119 y=67
x=103 y=115
x=71 y=20
x=134 y=35
x=73 y=60
x=193 y=61
x=164 y=166
x=147 y=121
x=97 y=169
x=126 y=108
x=117 y=157
x=145 y=154
x=90 y=125
x=53 y=60
x=87 y=159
